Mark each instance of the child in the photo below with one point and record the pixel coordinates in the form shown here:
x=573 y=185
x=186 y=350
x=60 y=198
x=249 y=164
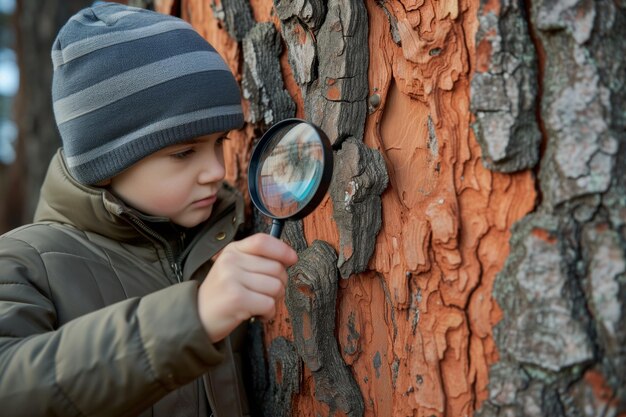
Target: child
x=109 y=303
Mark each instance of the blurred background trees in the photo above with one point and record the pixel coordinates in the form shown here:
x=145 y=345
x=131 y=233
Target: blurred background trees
x=33 y=29
x=9 y=81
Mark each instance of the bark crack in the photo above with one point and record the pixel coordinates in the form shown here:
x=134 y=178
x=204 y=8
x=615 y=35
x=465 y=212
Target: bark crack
x=532 y=32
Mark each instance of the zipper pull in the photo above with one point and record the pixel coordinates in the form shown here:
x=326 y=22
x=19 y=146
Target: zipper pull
x=181 y=241
x=177 y=271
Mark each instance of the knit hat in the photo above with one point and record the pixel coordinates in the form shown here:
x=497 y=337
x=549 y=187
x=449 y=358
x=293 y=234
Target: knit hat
x=128 y=82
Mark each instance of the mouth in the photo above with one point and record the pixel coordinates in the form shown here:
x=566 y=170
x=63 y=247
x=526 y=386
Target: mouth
x=205 y=202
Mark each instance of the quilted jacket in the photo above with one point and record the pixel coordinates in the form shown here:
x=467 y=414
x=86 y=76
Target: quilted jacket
x=98 y=313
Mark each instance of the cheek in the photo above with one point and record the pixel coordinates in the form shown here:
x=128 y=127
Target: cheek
x=168 y=199
x=162 y=197
x=155 y=187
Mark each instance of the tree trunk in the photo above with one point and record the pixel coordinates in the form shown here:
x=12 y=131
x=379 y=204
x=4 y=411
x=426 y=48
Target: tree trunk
x=475 y=264
x=563 y=288
x=36 y=26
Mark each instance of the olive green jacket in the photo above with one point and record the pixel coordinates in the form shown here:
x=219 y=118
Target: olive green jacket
x=98 y=310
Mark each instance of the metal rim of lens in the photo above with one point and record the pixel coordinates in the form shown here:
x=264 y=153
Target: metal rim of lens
x=327 y=170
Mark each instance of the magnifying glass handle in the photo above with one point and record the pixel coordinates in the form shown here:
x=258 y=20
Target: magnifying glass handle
x=277 y=228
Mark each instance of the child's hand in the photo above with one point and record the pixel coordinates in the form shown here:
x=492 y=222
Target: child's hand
x=245 y=281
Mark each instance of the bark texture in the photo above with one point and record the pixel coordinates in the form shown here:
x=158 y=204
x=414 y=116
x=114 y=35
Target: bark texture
x=311 y=299
x=504 y=89
x=420 y=226
x=563 y=288
x=360 y=177
x=474 y=141
x=262 y=82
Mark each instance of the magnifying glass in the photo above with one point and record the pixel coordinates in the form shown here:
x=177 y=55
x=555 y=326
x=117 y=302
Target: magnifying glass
x=290 y=171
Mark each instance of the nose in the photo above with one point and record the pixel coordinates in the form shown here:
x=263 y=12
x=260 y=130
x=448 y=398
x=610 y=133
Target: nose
x=211 y=169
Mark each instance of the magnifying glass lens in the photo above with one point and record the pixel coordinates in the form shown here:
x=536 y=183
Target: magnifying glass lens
x=290 y=168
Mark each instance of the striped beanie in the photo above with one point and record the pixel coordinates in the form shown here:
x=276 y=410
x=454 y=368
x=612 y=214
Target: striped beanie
x=128 y=82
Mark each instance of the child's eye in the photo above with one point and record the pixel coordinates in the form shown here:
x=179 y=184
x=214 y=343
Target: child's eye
x=183 y=154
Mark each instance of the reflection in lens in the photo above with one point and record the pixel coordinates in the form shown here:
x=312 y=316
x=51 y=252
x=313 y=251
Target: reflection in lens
x=290 y=170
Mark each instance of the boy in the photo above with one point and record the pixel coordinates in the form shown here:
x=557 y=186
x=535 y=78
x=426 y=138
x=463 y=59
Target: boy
x=109 y=303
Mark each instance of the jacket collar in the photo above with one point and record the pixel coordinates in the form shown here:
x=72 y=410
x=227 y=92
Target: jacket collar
x=96 y=210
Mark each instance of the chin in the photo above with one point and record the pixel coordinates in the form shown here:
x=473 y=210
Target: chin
x=193 y=221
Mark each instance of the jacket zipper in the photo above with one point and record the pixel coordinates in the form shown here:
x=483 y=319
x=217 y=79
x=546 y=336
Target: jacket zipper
x=174 y=265
x=199 y=235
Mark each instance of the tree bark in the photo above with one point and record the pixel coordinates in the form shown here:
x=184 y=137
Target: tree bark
x=563 y=288
x=424 y=206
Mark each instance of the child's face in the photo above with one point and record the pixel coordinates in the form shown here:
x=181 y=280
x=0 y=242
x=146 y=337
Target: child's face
x=179 y=182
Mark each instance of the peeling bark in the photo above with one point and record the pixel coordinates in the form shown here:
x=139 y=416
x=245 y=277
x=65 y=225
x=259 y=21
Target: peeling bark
x=300 y=20
x=327 y=48
x=504 y=88
x=359 y=178
x=284 y=371
x=563 y=288
x=262 y=84
x=310 y=12
x=337 y=100
x=414 y=332
x=236 y=17
x=301 y=51
x=293 y=234
x=535 y=291
x=275 y=381
x=584 y=58
x=311 y=300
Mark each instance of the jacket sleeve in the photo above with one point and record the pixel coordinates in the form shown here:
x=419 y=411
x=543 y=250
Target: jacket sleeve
x=112 y=362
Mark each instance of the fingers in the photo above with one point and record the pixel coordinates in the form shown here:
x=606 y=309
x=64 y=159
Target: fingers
x=246 y=280
x=259 y=265
x=261 y=306
x=253 y=273
x=221 y=311
x=266 y=285
x=244 y=303
x=266 y=246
